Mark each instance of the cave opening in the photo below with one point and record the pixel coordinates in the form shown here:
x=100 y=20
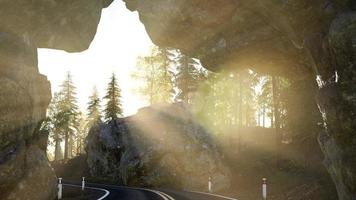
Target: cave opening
x=233 y=92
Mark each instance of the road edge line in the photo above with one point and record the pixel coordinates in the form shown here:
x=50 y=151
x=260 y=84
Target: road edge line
x=93 y=188
x=215 y=195
x=159 y=193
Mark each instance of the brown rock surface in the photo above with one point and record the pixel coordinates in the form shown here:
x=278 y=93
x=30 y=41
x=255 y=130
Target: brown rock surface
x=287 y=37
x=57 y=24
x=160 y=146
x=25 y=93
x=39 y=180
x=292 y=38
x=24 y=97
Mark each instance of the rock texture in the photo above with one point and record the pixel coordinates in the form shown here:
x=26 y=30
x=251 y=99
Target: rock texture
x=337 y=101
x=58 y=24
x=25 y=94
x=24 y=97
x=286 y=37
x=292 y=38
x=159 y=146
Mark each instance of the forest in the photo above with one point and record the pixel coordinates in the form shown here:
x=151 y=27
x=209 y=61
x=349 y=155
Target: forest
x=254 y=118
x=222 y=102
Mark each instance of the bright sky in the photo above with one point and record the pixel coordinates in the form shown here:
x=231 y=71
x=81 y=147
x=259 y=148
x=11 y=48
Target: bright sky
x=120 y=39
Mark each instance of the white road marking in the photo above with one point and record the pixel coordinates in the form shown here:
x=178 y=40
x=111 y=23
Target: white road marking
x=170 y=197
x=159 y=193
x=163 y=195
x=214 y=195
x=93 y=188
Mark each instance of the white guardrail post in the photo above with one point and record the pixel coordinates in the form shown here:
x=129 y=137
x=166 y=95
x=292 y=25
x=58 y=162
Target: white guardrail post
x=83 y=183
x=264 y=189
x=60 y=188
x=209 y=184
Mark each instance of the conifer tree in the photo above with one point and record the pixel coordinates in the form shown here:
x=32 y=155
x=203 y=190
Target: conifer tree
x=187 y=77
x=154 y=70
x=165 y=60
x=94 y=113
x=226 y=100
x=266 y=99
x=53 y=125
x=69 y=112
x=82 y=131
x=249 y=80
x=113 y=108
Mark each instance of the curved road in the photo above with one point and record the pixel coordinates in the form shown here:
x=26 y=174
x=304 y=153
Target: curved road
x=111 y=192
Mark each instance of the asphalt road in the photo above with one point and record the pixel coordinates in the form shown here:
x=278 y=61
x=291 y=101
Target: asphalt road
x=111 y=192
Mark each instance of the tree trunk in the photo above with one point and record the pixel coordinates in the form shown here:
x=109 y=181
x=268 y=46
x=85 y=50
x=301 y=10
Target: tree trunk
x=276 y=114
x=70 y=147
x=264 y=116
x=79 y=146
x=247 y=115
x=240 y=113
x=272 y=116
x=57 y=150
x=151 y=84
x=66 y=145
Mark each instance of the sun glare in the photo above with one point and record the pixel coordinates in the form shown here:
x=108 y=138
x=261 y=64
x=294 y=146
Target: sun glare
x=119 y=40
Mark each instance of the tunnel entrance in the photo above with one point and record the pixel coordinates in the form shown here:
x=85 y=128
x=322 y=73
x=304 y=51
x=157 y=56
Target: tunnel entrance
x=238 y=71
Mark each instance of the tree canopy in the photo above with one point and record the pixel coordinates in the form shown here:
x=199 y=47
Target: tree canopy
x=113 y=106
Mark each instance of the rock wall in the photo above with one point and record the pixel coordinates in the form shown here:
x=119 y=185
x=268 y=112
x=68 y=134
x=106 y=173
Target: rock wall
x=291 y=38
x=286 y=37
x=336 y=99
x=57 y=24
x=159 y=146
x=24 y=97
x=25 y=94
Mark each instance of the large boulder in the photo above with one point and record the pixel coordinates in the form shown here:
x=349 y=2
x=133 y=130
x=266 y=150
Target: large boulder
x=159 y=146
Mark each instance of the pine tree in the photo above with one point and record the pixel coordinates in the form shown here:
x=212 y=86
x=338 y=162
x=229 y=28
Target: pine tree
x=94 y=113
x=266 y=99
x=249 y=81
x=216 y=99
x=187 y=77
x=82 y=131
x=226 y=101
x=113 y=108
x=69 y=112
x=164 y=59
x=53 y=125
x=154 y=70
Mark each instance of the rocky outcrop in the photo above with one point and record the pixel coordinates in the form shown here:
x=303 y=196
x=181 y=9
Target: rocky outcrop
x=159 y=146
x=24 y=97
x=292 y=38
x=25 y=94
x=229 y=33
x=337 y=103
x=287 y=37
x=65 y=24
x=38 y=180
